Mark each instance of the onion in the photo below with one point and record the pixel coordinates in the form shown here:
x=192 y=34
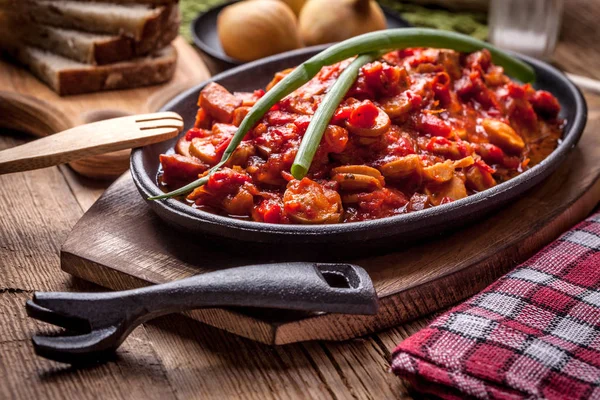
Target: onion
x=295 y=5
x=336 y=20
x=254 y=29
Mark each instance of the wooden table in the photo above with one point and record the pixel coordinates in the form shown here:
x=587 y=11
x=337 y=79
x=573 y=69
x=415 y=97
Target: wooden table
x=175 y=357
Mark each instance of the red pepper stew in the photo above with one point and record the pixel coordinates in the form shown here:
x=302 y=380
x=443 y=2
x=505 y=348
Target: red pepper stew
x=420 y=127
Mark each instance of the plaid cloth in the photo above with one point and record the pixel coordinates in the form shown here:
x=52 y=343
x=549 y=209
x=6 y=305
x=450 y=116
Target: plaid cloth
x=535 y=333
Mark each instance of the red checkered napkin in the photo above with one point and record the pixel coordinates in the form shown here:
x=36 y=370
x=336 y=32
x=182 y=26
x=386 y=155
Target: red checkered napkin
x=535 y=333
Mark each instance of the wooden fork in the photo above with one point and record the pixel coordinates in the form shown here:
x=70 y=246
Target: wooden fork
x=91 y=139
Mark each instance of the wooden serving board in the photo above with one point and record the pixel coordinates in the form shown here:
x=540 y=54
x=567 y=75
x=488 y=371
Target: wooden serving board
x=28 y=105
x=120 y=244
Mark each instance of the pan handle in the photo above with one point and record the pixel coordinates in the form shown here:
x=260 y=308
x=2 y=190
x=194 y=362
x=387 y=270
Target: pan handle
x=341 y=288
x=104 y=320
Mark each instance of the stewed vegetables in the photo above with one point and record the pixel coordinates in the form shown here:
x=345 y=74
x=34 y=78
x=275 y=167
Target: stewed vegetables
x=363 y=44
x=320 y=121
x=417 y=128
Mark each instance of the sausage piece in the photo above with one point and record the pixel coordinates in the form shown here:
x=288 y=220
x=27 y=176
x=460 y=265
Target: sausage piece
x=218 y=102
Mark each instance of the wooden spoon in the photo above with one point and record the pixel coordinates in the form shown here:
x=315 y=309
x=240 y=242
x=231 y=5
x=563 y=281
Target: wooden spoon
x=91 y=139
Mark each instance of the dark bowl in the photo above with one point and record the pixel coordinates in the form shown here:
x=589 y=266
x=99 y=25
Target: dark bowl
x=205 y=37
x=383 y=232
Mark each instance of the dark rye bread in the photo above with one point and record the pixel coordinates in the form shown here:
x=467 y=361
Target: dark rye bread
x=68 y=77
x=137 y=21
x=92 y=48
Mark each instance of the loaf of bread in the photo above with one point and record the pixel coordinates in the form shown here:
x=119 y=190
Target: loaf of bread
x=138 y=21
x=68 y=77
x=86 y=46
x=92 y=48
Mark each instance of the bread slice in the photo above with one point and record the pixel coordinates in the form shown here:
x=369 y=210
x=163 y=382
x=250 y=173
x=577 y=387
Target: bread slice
x=67 y=77
x=92 y=48
x=138 y=21
x=88 y=48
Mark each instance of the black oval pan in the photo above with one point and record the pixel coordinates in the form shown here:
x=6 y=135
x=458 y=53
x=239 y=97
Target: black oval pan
x=382 y=232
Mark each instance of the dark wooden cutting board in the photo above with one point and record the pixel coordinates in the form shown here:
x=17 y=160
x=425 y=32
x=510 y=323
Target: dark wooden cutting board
x=120 y=244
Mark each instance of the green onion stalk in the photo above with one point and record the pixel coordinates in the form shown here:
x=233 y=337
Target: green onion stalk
x=318 y=124
x=364 y=44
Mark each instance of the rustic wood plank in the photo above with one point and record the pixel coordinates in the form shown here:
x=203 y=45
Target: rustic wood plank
x=201 y=361
x=42 y=212
x=577 y=50
x=25 y=376
x=360 y=364
x=389 y=340
x=134 y=374
x=38 y=211
x=86 y=190
x=204 y=362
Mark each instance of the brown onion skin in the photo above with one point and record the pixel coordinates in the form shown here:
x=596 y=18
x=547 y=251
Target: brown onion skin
x=319 y=24
x=254 y=29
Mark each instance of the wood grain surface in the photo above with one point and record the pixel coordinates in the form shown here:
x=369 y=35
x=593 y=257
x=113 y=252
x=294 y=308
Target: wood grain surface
x=176 y=357
x=28 y=105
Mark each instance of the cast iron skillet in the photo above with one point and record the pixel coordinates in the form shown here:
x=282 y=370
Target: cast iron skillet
x=384 y=232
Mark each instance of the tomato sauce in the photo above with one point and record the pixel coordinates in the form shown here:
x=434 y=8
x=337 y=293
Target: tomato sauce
x=420 y=127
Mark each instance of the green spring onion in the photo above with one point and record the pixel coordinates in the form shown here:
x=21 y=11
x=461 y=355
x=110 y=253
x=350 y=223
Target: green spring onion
x=187 y=188
x=375 y=41
x=318 y=124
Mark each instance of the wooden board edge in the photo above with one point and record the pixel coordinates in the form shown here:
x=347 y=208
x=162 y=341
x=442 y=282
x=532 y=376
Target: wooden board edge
x=529 y=246
x=31 y=115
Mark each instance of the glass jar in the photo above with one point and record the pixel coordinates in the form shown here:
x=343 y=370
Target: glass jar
x=529 y=27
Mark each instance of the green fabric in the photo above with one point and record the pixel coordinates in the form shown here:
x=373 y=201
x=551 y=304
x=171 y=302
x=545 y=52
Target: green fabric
x=190 y=9
x=469 y=23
